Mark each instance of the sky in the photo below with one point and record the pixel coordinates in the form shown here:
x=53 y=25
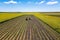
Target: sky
x=29 y=5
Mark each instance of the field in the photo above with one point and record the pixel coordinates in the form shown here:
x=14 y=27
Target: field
x=57 y=14
x=7 y=16
x=53 y=21
x=30 y=26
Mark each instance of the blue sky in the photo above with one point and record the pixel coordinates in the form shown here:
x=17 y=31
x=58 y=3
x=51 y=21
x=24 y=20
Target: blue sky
x=29 y=5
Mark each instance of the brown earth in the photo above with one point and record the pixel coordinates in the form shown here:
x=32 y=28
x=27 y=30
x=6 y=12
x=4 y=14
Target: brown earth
x=27 y=28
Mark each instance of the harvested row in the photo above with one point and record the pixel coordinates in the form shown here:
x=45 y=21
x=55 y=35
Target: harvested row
x=27 y=28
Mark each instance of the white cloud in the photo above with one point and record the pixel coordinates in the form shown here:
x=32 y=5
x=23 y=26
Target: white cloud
x=11 y=2
x=40 y=2
x=52 y=2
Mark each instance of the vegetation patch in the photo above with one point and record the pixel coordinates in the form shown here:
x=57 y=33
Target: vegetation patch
x=53 y=21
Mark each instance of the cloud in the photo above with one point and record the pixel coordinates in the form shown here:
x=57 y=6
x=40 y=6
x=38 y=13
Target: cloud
x=11 y=2
x=52 y=2
x=40 y=2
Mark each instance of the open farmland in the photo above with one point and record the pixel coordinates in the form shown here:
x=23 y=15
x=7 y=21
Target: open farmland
x=30 y=26
x=57 y=14
x=53 y=21
x=6 y=16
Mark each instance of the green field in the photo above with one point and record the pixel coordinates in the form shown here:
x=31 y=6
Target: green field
x=7 y=16
x=51 y=19
x=57 y=14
